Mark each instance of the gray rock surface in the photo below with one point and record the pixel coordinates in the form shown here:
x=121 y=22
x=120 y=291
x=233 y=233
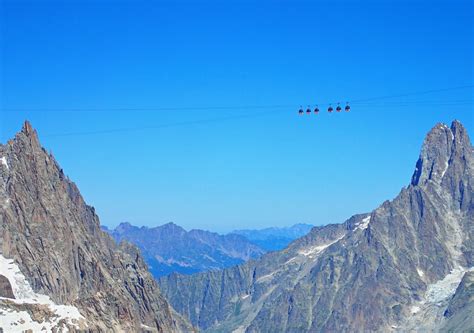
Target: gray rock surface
x=6 y=288
x=393 y=269
x=55 y=238
x=460 y=311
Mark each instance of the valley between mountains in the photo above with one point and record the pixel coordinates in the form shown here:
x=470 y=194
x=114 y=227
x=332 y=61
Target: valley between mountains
x=406 y=266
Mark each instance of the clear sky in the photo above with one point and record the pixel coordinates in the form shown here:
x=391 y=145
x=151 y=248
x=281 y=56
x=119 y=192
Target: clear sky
x=70 y=66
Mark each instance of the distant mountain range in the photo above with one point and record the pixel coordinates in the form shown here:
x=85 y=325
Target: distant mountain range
x=169 y=248
x=273 y=239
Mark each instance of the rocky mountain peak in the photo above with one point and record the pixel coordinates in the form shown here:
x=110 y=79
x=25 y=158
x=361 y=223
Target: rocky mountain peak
x=51 y=239
x=441 y=147
x=28 y=129
x=124 y=227
x=461 y=138
x=173 y=228
x=27 y=139
x=395 y=269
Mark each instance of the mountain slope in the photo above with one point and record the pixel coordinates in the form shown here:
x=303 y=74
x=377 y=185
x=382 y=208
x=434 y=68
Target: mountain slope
x=389 y=270
x=169 y=248
x=59 y=258
x=272 y=239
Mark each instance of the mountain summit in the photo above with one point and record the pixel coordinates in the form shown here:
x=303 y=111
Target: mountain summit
x=408 y=265
x=169 y=248
x=442 y=147
x=58 y=269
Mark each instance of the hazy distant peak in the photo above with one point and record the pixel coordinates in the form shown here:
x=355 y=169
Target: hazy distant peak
x=169 y=248
x=171 y=225
x=124 y=226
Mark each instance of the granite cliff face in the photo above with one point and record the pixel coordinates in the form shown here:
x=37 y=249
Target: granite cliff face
x=396 y=268
x=169 y=248
x=62 y=270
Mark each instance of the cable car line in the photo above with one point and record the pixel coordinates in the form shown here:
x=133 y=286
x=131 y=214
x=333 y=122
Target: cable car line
x=185 y=123
x=166 y=125
x=365 y=103
x=412 y=94
x=242 y=107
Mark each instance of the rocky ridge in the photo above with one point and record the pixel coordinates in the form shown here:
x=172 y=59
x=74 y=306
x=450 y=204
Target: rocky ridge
x=52 y=240
x=396 y=268
x=169 y=248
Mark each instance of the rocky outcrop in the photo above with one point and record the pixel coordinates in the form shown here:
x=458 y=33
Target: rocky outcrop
x=459 y=314
x=393 y=269
x=169 y=248
x=54 y=238
x=6 y=290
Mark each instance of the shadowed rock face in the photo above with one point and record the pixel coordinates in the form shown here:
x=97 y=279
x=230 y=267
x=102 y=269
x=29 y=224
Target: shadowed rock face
x=393 y=269
x=55 y=238
x=5 y=288
x=460 y=312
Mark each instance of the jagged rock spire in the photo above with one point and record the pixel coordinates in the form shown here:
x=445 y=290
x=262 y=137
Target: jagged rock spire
x=441 y=146
x=28 y=132
x=27 y=128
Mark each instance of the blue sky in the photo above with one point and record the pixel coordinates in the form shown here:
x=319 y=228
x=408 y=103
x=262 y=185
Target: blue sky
x=70 y=66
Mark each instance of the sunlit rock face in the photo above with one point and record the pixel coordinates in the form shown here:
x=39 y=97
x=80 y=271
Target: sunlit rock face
x=408 y=264
x=64 y=266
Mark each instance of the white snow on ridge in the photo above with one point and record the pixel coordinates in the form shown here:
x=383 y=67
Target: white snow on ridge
x=24 y=294
x=266 y=277
x=362 y=225
x=3 y=160
x=313 y=250
x=420 y=272
x=5 y=204
x=446 y=165
x=148 y=328
x=415 y=309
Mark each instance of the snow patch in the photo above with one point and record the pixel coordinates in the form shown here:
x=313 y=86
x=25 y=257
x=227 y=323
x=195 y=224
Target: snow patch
x=3 y=160
x=415 y=309
x=430 y=309
x=24 y=294
x=266 y=277
x=314 y=250
x=362 y=225
x=446 y=165
x=20 y=321
x=148 y=328
x=420 y=272
x=445 y=288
